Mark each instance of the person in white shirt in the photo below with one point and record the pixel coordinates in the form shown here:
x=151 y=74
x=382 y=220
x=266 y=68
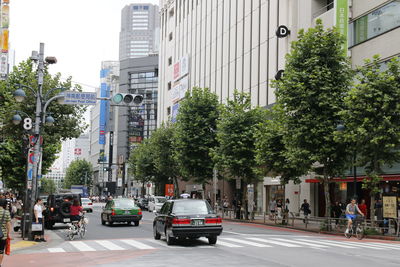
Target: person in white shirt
x=38 y=211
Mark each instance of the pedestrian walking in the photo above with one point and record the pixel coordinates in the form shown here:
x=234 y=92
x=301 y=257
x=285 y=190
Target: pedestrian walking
x=305 y=207
x=5 y=226
x=38 y=211
x=272 y=208
x=336 y=212
x=279 y=209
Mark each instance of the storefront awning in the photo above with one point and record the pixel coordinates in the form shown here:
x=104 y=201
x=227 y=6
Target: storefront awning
x=387 y=177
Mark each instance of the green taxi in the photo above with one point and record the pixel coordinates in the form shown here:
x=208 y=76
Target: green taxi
x=121 y=210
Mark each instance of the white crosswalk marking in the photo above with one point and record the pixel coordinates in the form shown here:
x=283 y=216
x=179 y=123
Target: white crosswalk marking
x=55 y=250
x=300 y=242
x=109 y=245
x=136 y=244
x=81 y=246
x=354 y=244
x=331 y=244
x=274 y=242
x=159 y=242
x=227 y=244
x=393 y=246
x=247 y=242
x=380 y=245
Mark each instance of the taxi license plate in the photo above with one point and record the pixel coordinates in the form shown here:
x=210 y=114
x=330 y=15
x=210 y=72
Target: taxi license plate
x=127 y=212
x=197 y=222
x=66 y=220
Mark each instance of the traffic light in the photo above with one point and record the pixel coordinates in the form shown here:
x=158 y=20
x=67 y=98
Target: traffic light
x=127 y=99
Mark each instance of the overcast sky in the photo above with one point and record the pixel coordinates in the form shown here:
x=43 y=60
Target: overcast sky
x=79 y=33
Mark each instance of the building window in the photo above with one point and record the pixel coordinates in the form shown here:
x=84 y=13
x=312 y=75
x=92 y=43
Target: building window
x=169 y=61
x=170 y=36
x=375 y=23
x=169 y=85
x=168 y=111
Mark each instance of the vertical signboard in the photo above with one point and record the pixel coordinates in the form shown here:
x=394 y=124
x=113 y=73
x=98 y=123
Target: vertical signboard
x=389 y=207
x=175 y=110
x=103 y=107
x=5 y=13
x=342 y=20
x=169 y=190
x=4 y=21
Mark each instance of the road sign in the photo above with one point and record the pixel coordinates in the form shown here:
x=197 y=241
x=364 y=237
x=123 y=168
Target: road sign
x=80 y=98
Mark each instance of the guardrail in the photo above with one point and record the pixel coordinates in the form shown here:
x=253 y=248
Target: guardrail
x=386 y=227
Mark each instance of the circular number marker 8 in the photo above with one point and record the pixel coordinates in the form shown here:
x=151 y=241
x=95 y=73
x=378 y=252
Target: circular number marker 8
x=27 y=123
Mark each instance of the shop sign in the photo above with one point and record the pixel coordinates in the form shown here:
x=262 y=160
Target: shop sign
x=272 y=180
x=389 y=207
x=282 y=31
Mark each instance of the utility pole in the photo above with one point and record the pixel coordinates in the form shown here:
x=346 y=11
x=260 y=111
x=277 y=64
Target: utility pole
x=36 y=150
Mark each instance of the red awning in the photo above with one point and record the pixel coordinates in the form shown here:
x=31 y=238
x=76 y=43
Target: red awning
x=388 y=177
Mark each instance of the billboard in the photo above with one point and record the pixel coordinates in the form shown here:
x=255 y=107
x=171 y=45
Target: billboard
x=342 y=19
x=5 y=16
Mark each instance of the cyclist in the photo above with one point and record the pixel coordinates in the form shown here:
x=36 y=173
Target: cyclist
x=75 y=211
x=351 y=213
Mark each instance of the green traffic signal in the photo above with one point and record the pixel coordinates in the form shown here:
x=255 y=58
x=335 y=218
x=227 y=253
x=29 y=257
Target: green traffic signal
x=117 y=98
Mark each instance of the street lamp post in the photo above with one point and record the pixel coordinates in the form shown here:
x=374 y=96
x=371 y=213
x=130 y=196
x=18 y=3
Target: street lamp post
x=42 y=102
x=341 y=127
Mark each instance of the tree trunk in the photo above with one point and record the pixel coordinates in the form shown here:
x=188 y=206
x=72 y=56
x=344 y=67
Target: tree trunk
x=176 y=187
x=327 y=197
x=372 y=210
x=245 y=201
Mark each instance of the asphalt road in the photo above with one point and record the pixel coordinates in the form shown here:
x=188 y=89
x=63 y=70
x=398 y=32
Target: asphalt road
x=239 y=245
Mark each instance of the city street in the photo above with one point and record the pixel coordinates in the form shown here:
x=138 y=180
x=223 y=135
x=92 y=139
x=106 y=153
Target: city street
x=240 y=245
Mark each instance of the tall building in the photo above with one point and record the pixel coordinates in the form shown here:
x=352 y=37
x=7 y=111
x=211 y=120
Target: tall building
x=241 y=44
x=139 y=34
x=137 y=76
x=102 y=117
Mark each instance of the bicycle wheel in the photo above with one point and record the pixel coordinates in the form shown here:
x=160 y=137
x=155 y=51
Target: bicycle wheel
x=359 y=232
x=82 y=231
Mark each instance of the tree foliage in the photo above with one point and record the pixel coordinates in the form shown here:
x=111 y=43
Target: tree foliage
x=235 y=153
x=163 y=151
x=317 y=77
x=48 y=186
x=195 y=135
x=271 y=153
x=372 y=119
x=79 y=172
x=69 y=122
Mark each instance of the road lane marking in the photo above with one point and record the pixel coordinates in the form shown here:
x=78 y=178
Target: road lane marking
x=300 y=242
x=227 y=244
x=324 y=243
x=233 y=233
x=55 y=250
x=109 y=245
x=247 y=242
x=81 y=246
x=274 y=242
x=353 y=244
x=137 y=244
x=159 y=242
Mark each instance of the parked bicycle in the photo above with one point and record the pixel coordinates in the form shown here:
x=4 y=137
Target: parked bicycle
x=77 y=228
x=357 y=228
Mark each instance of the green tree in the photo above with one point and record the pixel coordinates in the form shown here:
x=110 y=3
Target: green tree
x=372 y=119
x=235 y=154
x=69 y=122
x=317 y=77
x=79 y=172
x=271 y=153
x=195 y=135
x=142 y=164
x=163 y=151
x=47 y=186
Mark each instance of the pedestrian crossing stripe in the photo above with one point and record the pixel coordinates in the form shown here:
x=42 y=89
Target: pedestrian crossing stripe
x=223 y=242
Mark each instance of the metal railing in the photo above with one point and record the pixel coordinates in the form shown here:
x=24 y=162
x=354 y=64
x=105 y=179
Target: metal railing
x=322 y=10
x=386 y=227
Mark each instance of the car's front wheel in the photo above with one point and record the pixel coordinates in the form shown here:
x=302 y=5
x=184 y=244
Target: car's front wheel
x=156 y=235
x=212 y=240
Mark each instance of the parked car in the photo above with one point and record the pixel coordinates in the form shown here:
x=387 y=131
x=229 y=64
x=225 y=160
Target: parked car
x=121 y=210
x=155 y=203
x=87 y=204
x=143 y=203
x=58 y=208
x=187 y=218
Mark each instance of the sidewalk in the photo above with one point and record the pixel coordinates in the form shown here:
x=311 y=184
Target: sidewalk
x=299 y=225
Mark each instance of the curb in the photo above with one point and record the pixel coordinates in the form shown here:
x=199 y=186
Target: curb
x=388 y=238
